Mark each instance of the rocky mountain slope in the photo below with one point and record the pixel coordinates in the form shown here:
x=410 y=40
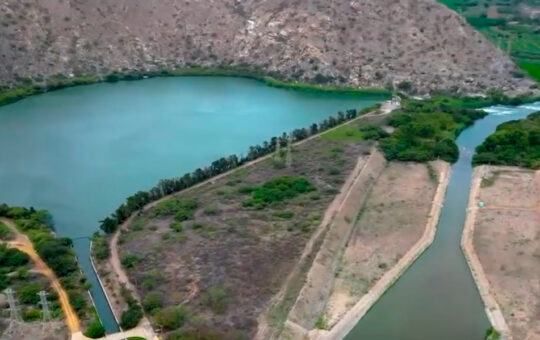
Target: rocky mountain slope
x=357 y=42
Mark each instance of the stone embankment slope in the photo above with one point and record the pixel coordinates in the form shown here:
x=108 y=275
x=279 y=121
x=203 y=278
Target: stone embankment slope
x=420 y=44
x=500 y=242
x=312 y=300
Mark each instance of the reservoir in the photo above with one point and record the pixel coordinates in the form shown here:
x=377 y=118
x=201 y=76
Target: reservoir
x=79 y=152
x=436 y=298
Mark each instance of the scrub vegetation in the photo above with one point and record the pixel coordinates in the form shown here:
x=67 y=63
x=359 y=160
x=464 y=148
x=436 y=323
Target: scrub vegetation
x=208 y=260
x=426 y=130
x=57 y=252
x=514 y=143
x=510 y=25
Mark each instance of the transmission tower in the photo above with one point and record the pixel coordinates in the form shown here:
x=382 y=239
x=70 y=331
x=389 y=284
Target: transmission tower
x=12 y=304
x=288 y=159
x=44 y=305
x=278 y=148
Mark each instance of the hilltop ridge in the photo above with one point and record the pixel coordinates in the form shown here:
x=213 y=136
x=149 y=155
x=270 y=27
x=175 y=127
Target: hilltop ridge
x=418 y=46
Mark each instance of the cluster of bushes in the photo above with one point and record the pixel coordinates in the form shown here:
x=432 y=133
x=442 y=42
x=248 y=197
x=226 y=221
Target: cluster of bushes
x=5 y=233
x=133 y=314
x=277 y=190
x=513 y=143
x=426 y=130
x=56 y=252
x=182 y=208
x=168 y=186
x=11 y=260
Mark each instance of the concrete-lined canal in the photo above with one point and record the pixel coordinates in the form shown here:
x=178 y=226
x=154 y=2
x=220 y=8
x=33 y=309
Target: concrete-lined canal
x=436 y=298
x=79 y=152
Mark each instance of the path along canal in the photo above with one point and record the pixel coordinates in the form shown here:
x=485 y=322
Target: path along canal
x=79 y=152
x=437 y=298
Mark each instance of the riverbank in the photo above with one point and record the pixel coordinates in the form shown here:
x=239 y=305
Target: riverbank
x=344 y=307
x=499 y=244
x=9 y=96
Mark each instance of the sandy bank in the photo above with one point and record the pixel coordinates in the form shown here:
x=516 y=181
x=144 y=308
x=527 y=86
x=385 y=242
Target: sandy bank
x=347 y=321
x=500 y=242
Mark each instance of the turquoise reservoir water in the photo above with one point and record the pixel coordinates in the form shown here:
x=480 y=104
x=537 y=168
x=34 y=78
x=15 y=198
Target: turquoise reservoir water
x=79 y=152
x=436 y=299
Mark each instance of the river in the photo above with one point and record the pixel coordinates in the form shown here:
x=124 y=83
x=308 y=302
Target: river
x=79 y=152
x=437 y=298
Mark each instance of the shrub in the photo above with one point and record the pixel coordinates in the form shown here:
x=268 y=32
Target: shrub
x=277 y=190
x=321 y=323
x=216 y=299
x=31 y=315
x=100 y=247
x=11 y=258
x=5 y=232
x=211 y=210
x=27 y=294
x=171 y=318
x=130 y=317
x=152 y=301
x=183 y=208
x=95 y=330
x=176 y=226
x=130 y=260
x=77 y=300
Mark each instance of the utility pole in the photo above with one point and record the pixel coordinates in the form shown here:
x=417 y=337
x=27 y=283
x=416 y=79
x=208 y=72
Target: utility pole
x=44 y=305
x=509 y=47
x=278 y=148
x=12 y=304
x=288 y=159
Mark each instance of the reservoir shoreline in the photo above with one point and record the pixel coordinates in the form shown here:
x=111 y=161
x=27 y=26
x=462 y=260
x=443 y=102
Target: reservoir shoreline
x=13 y=95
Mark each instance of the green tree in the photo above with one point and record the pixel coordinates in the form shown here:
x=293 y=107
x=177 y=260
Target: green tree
x=171 y=318
x=95 y=330
x=152 y=301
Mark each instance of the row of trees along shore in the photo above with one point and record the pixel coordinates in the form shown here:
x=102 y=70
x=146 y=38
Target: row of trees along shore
x=169 y=186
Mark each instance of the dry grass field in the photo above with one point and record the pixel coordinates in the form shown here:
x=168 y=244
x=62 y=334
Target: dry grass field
x=391 y=221
x=507 y=241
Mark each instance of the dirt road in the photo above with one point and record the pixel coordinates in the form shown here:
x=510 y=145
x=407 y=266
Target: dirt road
x=22 y=243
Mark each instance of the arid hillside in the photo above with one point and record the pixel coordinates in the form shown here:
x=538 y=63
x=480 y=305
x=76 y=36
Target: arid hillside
x=417 y=44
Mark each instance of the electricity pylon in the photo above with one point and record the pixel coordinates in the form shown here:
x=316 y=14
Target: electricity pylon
x=288 y=158
x=44 y=305
x=12 y=304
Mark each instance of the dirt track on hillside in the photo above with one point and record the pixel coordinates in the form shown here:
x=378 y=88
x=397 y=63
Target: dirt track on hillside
x=22 y=243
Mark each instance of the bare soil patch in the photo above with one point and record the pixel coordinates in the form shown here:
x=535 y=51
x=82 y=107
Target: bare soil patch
x=226 y=260
x=507 y=241
x=391 y=221
x=53 y=330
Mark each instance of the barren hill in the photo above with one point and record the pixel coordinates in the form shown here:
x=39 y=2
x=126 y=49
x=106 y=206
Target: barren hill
x=357 y=42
